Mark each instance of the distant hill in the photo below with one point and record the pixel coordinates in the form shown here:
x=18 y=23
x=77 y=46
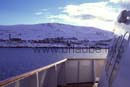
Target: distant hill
x=54 y=34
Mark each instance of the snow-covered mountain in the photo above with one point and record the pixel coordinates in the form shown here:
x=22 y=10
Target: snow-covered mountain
x=39 y=33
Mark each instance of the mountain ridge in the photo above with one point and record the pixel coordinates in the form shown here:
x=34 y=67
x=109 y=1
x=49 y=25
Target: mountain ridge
x=53 y=31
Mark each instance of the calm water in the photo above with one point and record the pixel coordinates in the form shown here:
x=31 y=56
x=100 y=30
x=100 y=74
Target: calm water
x=15 y=61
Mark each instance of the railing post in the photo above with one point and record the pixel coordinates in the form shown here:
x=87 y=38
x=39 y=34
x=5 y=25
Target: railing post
x=17 y=84
x=56 y=73
x=37 y=79
x=93 y=70
x=78 y=71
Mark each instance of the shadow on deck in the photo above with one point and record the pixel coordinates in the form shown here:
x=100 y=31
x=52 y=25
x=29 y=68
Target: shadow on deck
x=80 y=85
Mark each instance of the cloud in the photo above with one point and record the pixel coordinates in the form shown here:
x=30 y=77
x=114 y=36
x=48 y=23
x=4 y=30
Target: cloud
x=115 y=1
x=97 y=14
x=86 y=16
x=119 y=1
x=125 y=4
x=99 y=10
x=38 y=13
x=44 y=10
x=41 y=12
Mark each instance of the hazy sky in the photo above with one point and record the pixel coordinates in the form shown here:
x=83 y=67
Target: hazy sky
x=97 y=13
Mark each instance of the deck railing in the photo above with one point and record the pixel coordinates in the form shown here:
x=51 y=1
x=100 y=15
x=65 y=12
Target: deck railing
x=82 y=70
